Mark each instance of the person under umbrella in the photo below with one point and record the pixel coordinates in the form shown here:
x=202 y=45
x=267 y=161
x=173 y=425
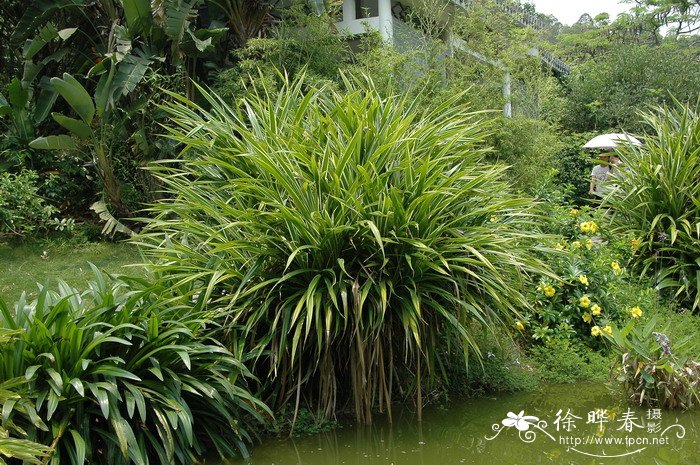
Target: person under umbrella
x=601 y=174
x=609 y=160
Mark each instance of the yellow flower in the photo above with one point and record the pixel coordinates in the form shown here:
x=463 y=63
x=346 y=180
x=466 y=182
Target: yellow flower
x=587 y=317
x=559 y=246
x=608 y=330
x=635 y=243
x=616 y=267
x=584 y=279
x=595 y=331
x=493 y=219
x=576 y=245
x=589 y=244
x=584 y=301
x=589 y=227
x=520 y=326
x=595 y=309
x=573 y=212
x=549 y=291
x=636 y=312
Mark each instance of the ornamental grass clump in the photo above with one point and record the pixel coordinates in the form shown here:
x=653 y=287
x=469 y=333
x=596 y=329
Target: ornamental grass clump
x=658 y=200
x=112 y=375
x=343 y=236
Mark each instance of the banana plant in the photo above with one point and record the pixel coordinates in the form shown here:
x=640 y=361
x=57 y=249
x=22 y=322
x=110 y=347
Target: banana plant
x=24 y=110
x=92 y=129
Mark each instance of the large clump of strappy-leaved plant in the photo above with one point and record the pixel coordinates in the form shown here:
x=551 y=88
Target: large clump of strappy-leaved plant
x=342 y=235
x=657 y=200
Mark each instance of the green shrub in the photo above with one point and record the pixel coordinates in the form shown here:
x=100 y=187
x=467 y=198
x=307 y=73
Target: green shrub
x=565 y=361
x=574 y=167
x=504 y=368
x=607 y=91
x=22 y=210
x=594 y=289
x=655 y=370
x=345 y=233
x=114 y=375
x=64 y=179
x=529 y=146
x=301 y=42
x=658 y=201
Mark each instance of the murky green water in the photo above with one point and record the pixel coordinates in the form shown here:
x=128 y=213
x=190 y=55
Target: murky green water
x=458 y=435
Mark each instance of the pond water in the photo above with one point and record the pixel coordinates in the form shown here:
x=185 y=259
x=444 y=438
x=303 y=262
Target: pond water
x=464 y=434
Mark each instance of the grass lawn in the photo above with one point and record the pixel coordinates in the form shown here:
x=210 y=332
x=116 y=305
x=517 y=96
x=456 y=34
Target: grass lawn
x=23 y=266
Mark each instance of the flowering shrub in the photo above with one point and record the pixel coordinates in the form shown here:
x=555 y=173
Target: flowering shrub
x=593 y=292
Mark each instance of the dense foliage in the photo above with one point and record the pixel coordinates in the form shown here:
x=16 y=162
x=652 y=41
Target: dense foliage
x=342 y=222
x=116 y=375
x=13 y=444
x=608 y=91
x=22 y=211
x=657 y=200
x=653 y=369
x=123 y=54
x=344 y=233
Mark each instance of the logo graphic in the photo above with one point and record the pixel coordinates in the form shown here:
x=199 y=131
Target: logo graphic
x=610 y=429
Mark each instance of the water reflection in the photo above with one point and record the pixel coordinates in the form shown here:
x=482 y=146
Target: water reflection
x=457 y=435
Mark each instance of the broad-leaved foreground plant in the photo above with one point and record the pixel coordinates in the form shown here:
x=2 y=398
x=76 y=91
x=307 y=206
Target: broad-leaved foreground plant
x=654 y=370
x=13 y=444
x=658 y=200
x=345 y=237
x=112 y=375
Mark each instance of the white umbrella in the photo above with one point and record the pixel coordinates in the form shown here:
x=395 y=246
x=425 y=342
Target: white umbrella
x=610 y=141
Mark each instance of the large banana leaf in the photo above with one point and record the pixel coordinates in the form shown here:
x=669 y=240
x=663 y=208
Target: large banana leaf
x=112 y=224
x=17 y=94
x=123 y=42
x=46 y=35
x=103 y=97
x=60 y=142
x=76 y=96
x=177 y=18
x=44 y=103
x=138 y=15
x=19 y=106
x=33 y=46
x=177 y=21
x=75 y=126
x=130 y=72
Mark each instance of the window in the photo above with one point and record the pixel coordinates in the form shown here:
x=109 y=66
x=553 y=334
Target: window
x=366 y=8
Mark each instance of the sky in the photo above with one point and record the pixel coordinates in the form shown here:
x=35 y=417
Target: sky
x=569 y=11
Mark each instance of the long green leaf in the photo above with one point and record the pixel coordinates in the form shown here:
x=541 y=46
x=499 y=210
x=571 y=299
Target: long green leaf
x=76 y=96
x=61 y=142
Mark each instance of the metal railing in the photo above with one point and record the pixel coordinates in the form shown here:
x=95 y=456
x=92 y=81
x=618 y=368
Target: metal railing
x=526 y=19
